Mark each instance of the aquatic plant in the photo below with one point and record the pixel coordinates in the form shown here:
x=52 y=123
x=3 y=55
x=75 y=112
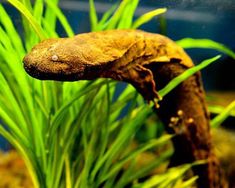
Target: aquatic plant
x=72 y=134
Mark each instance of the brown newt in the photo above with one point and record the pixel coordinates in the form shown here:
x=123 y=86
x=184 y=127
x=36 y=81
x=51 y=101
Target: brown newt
x=147 y=61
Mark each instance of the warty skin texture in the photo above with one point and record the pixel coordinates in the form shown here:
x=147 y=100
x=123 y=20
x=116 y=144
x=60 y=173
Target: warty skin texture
x=120 y=55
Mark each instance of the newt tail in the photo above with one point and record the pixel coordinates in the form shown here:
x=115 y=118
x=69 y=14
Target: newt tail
x=147 y=61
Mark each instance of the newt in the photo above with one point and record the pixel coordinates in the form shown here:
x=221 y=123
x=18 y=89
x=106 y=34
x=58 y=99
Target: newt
x=120 y=55
x=147 y=61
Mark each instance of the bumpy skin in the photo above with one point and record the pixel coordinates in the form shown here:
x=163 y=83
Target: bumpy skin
x=142 y=59
x=120 y=55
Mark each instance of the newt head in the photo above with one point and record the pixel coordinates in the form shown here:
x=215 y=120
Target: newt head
x=53 y=59
x=77 y=58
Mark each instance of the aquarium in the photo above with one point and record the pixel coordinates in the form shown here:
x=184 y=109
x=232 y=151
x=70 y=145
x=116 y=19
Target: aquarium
x=117 y=94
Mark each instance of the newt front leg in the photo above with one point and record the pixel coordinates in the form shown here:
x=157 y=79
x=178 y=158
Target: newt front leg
x=148 y=62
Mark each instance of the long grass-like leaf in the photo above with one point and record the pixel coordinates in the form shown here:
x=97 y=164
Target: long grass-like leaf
x=14 y=129
x=188 y=183
x=147 y=17
x=6 y=90
x=104 y=20
x=123 y=137
x=11 y=31
x=50 y=16
x=128 y=15
x=24 y=11
x=24 y=153
x=93 y=15
x=223 y=115
x=177 y=80
x=38 y=10
x=168 y=179
x=28 y=4
x=63 y=20
x=205 y=43
x=67 y=172
x=163 y=157
x=217 y=109
x=56 y=118
x=113 y=21
x=133 y=154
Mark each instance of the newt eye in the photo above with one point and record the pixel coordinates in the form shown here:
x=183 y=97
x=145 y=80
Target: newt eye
x=54 y=58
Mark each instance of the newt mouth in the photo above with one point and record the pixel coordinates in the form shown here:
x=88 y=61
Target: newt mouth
x=59 y=75
x=51 y=71
x=29 y=67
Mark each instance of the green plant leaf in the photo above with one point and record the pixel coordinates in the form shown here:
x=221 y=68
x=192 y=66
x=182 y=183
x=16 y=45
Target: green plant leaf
x=170 y=178
x=50 y=16
x=63 y=20
x=152 y=143
x=11 y=31
x=93 y=16
x=38 y=10
x=113 y=21
x=223 y=115
x=24 y=11
x=217 y=109
x=147 y=17
x=23 y=151
x=128 y=14
x=102 y=24
x=205 y=43
x=186 y=74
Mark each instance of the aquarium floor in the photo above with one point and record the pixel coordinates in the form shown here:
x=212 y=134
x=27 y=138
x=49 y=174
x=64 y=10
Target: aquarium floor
x=13 y=173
